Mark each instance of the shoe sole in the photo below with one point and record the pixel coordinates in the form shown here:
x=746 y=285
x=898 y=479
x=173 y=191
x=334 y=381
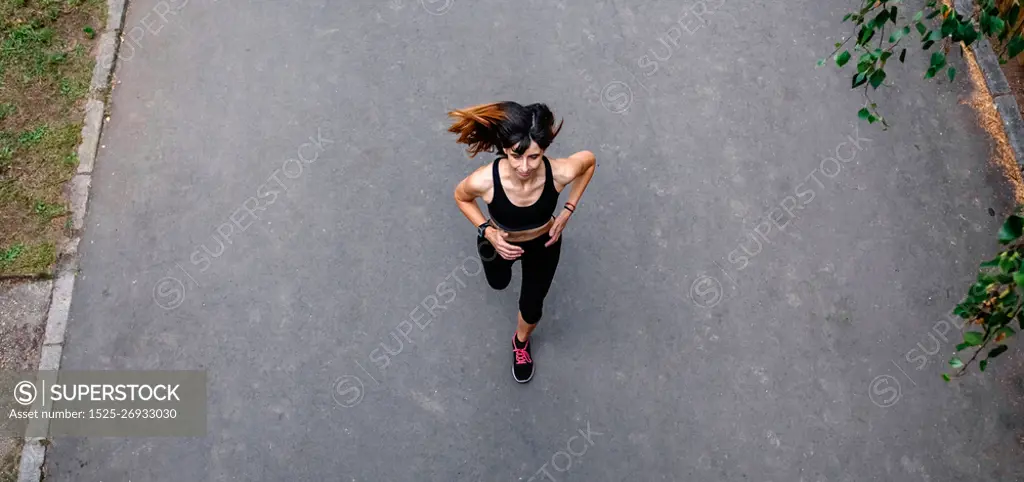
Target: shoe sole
x=522 y=381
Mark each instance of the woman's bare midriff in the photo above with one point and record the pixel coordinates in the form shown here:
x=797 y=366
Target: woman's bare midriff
x=528 y=234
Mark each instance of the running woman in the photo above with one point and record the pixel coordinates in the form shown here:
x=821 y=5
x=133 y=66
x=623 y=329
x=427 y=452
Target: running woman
x=521 y=189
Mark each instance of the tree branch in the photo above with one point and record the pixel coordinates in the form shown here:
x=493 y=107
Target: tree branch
x=967 y=365
x=839 y=47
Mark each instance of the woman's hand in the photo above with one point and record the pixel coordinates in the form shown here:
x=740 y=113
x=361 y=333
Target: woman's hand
x=507 y=250
x=556 y=229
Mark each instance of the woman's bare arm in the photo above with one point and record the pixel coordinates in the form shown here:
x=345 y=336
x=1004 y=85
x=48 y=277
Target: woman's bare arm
x=576 y=170
x=476 y=185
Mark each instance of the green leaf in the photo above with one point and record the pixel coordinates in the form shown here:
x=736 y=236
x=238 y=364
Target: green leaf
x=930 y=73
x=877 y=77
x=990 y=263
x=956 y=362
x=945 y=377
x=999 y=350
x=938 y=60
x=892 y=14
x=977 y=289
x=918 y=16
x=997 y=25
x=962 y=346
x=973 y=338
x=885 y=56
x=933 y=14
x=927 y=45
x=880 y=19
x=843 y=58
x=921 y=29
x=985 y=22
x=1006 y=331
x=866 y=32
x=949 y=26
x=1015 y=46
x=951 y=73
x=863 y=113
x=898 y=34
x=847 y=17
x=1011 y=229
x=998 y=319
x=1006 y=265
x=961 y=311
x=983 y=365
x=935 y=36
x=903 y=55
x=967 y=34
x=1011 y=16
x=859 y=80
x=1018 y=278
x=1009 y=301
x=821 y=62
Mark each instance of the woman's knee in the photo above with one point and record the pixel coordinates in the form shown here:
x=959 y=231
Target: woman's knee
x=499 y=282
x=531 y=311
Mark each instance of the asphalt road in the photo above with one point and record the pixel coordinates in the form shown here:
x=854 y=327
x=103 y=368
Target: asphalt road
x=685 y=337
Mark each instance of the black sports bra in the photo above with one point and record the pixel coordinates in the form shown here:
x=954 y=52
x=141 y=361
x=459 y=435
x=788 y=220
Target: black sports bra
x=510 y=217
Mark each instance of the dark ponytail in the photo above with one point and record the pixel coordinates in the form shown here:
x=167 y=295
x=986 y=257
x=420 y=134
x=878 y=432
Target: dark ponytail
x=501 y=125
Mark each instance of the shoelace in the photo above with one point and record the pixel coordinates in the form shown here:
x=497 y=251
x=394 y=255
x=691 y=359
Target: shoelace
x=521 y=356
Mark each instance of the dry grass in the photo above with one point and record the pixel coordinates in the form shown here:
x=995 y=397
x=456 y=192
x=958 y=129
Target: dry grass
x=10 y=457
x=46 y=63
x=1002 y=157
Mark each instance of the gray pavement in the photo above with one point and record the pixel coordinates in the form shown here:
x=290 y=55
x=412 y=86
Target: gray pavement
x=676 y=344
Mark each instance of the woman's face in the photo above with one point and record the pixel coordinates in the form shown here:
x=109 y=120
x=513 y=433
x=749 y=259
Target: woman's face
x=526 y=165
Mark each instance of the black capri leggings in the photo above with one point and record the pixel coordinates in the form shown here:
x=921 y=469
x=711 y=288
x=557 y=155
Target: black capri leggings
x=539 y=264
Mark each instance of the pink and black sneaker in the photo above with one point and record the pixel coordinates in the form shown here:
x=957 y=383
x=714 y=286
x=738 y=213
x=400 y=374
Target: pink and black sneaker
x=522 y=370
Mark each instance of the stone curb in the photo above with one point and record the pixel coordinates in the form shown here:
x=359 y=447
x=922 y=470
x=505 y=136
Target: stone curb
x=33 y=454
x=998 y=87
x=1006 y=103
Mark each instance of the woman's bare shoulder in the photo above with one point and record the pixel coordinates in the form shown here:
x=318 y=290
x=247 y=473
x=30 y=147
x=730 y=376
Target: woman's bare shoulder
x=566 y=169
x=480 y=180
